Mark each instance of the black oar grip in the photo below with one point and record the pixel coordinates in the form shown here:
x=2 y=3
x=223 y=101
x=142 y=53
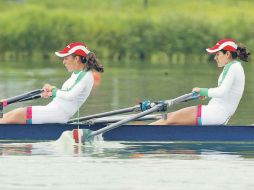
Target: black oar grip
x=23 y=97
x=20 y=98
x=1 y=109
x=30 y=98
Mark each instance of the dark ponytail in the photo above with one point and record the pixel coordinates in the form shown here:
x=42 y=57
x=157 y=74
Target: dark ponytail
x=92 y=62
x=242 y=53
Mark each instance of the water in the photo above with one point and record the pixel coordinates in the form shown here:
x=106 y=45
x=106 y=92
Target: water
x=127 y=165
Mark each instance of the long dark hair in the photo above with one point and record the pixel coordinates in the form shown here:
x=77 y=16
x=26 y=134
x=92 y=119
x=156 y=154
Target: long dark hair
x=92 y=62
x=241 y=53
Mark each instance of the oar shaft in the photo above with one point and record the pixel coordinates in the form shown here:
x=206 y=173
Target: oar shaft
x=23 y=96
x=30 y=98
x=20 y=98
x=119 y=123
x=120 y=111
x=183 y=98
x=113 y=119
x=1 y=110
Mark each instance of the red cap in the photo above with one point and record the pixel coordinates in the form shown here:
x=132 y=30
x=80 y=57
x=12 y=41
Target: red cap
x=77 y=48
x=225 y=44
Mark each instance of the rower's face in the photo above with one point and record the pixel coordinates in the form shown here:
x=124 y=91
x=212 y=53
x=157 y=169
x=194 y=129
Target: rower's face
x=70 y=62
x=221 y=58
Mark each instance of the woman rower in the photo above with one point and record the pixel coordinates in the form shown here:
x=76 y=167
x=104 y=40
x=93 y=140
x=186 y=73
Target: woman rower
x=77 y=59
x=225 y=97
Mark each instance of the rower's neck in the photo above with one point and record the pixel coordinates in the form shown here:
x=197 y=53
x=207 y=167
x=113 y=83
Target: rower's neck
x=79 y=68
x=230 y=61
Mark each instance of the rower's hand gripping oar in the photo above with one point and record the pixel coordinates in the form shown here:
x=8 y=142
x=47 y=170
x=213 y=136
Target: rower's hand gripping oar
x=20 y=98
x=88 y=134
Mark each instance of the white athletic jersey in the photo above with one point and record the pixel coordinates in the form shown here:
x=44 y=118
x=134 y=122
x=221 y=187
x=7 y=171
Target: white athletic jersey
x=73 y=93
x=230 y=88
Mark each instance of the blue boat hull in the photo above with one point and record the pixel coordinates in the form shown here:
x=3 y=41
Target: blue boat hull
x=41 y=132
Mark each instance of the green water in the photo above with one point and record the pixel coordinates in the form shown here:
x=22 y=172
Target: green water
x=126 y=85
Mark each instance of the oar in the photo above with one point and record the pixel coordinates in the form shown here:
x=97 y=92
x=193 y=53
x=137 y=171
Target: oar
x=135 y=108
x=183 y=98
x=113 y=119
x=104 y=114
x=20 y=98
x=88 y=134
x=30 y=98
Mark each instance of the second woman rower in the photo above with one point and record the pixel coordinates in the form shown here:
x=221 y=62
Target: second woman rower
x=224 y=98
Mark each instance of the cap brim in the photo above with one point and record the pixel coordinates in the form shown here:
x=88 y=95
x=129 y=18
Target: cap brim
x=212 y=50
x=59 y=54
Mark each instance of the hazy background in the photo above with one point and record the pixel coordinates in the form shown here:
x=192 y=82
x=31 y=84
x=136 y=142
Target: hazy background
x=152 y=30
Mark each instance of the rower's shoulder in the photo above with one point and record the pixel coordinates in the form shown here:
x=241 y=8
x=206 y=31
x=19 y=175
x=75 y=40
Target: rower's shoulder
x=237 y=65
x=237 y=70
x=81 y=76
x=86 y=75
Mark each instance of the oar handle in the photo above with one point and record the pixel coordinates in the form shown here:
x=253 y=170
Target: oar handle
x=21 y=97
x=1 y=110
x=30 y=98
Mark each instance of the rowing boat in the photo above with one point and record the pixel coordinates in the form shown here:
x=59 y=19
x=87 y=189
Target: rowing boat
x=45 y=132
x=118 y=131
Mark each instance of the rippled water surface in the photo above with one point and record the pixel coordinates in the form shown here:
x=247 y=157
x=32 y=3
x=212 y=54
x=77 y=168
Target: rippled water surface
x=127 y=165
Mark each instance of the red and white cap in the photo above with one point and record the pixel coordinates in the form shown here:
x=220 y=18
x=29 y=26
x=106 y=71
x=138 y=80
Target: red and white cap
x=225 y=44
x=78 y=48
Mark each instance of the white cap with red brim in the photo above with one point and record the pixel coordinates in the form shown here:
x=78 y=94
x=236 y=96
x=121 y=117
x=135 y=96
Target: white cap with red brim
x=77 y=48
x=225 y=44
